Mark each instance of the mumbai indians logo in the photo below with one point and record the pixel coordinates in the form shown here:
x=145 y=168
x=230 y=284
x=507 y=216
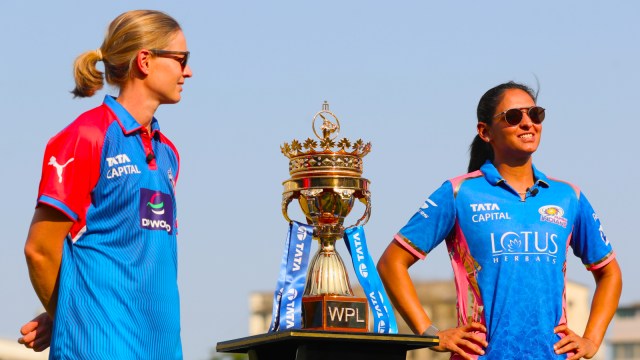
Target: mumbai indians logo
x=553 y=214
x=155 y=206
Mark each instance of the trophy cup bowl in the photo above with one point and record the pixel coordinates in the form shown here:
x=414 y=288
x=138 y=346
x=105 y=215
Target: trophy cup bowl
x=326 y=183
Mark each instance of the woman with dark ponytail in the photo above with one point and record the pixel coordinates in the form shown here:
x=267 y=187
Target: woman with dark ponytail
x=480 y=151
x=101 y=247
x=508 y=228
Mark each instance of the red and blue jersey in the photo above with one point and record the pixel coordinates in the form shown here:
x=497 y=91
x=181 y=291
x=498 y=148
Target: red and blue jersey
x=509 y=255
x=118 y=293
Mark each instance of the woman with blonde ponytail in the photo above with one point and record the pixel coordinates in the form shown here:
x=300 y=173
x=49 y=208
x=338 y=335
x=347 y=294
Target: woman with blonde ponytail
x=101 y=248
x=508 y=228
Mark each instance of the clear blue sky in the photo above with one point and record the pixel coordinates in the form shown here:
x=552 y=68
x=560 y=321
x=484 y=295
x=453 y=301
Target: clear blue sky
x=404 y=75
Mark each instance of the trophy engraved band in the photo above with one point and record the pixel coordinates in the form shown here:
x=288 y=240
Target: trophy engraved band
x=326 y=180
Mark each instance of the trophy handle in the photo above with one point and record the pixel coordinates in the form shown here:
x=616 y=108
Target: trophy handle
x=286 y=200
x=366 y=200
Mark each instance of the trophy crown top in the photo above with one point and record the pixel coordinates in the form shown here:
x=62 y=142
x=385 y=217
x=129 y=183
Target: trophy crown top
x=343 y=154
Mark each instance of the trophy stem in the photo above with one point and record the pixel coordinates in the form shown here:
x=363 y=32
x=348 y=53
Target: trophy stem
x=327 y=273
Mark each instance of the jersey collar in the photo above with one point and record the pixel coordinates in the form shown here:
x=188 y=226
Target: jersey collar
x=126 y=121
x=494 y=178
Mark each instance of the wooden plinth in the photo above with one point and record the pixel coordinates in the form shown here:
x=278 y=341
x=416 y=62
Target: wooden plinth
x=321 y=345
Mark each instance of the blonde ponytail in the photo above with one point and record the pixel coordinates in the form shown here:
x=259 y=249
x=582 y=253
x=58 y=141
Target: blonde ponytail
x=87 y=76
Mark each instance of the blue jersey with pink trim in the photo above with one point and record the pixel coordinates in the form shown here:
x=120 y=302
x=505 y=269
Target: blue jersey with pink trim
x=118 y=293
x=509 y=255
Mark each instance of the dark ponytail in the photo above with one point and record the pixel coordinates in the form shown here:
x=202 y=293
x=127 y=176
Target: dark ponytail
x=479 y=150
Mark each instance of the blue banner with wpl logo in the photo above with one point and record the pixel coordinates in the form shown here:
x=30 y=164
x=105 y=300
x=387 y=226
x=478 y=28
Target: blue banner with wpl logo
x=384 y=320
x=287 y=298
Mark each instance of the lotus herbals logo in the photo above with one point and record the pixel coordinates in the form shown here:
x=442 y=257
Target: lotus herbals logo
x=156 y=210
x=524 y=246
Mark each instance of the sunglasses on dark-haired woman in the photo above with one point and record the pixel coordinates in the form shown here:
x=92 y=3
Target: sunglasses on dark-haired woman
x=514 y=116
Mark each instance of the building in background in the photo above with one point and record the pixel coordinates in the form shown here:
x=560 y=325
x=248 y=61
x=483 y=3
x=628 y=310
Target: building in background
x=624 y=337
x=11 y=350
x=439 y=300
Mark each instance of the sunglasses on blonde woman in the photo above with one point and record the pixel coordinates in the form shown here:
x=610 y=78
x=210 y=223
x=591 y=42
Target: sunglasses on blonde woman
x=170 y=54
x=514 y=116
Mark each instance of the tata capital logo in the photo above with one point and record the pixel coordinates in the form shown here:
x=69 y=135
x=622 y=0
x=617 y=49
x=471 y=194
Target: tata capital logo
x=379 y=309
x=119 y=165
x=302 y=233
x=553 y=214
x=297 y=263
x=363 y=270
x=292 y=294
x=156 y=210
x=488 y=212
x=290 y=309
x=382 y=327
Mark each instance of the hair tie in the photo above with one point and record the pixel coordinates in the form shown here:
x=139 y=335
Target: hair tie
x=99 y=52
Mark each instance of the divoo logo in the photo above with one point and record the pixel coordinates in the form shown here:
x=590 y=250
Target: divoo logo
x=156 y=210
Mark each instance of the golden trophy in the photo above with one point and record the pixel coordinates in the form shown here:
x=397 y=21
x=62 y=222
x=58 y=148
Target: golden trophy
x=315 y=314
x=326 y=180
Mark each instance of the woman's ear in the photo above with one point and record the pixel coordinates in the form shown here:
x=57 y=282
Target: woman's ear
x=484 y=131
x=142 y=62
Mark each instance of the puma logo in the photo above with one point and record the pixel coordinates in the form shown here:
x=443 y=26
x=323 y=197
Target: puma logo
x=59 y=168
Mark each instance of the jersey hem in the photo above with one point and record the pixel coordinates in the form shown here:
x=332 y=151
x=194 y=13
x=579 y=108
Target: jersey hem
x=58 y=205
x=410 y=247
x=602 y=262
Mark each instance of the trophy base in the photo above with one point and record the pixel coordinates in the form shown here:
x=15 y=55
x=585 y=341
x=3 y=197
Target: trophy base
x=335 y=313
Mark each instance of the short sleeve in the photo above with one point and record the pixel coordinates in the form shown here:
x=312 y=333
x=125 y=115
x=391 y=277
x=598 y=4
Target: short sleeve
x=70 y=169
x=431 y=224
x=589 y=241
